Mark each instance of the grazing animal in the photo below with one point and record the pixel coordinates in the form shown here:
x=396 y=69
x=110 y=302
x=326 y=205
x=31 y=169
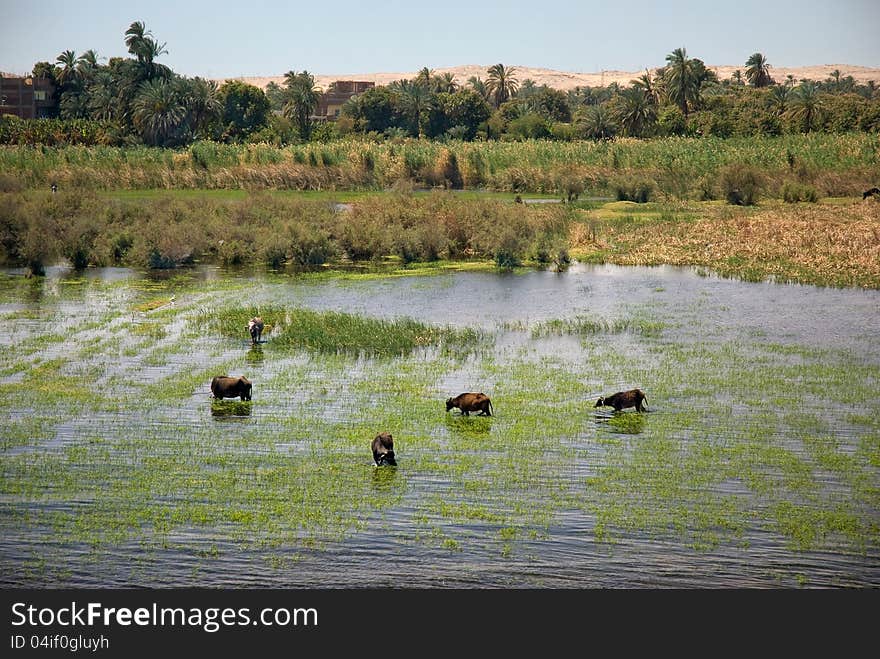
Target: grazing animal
x=632 y=398
x=383 y=449
x=471 y=402
x=255 y=327
x=869 y=192
x=223 y=386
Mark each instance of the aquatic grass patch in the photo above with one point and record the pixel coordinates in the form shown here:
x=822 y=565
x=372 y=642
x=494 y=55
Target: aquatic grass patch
x=345 y=333
x=586 y=325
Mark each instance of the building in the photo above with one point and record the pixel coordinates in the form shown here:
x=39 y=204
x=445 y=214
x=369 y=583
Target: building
x=27 y=98
x=339 y=93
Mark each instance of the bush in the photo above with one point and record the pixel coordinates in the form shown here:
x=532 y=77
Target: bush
x=630 y=188
x=793 y=192
x=741 y=184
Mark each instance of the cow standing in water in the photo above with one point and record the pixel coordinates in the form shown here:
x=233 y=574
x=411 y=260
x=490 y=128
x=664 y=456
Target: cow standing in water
x=255 y=327
x=223 y=386
x=383 y=449
x=622 y=399
x=471 y=402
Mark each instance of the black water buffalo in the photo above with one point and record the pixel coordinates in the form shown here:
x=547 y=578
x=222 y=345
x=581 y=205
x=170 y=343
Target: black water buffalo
x=223 y=386
x=632 y=398
x=471 y=402
x=383 y=449
x=255 y=327
x=871 y=191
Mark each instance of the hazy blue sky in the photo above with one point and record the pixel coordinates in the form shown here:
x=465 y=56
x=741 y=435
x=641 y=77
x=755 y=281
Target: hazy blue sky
x=226 y=38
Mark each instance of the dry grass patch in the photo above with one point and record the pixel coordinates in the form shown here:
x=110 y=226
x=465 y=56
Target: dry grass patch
x=816 y=244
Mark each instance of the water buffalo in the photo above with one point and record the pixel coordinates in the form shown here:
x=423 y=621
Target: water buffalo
x=622 y=399
x=255 y=327
x=383 y=449
x=471 y=402
x=871 y=191
x=223 y=386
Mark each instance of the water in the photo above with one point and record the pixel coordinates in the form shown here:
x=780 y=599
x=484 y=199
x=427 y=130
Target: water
x=756 y=466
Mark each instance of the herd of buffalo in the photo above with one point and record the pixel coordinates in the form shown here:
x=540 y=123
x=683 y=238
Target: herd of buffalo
x=382 y=446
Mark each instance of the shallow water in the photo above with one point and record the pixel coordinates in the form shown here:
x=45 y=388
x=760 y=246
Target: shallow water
x=757 y=464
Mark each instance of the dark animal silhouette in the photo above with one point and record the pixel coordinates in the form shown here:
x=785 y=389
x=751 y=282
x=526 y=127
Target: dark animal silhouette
x=622 y=399
x=471 y=402
x=255 y=327
x=383 y=449
x=223 y=386
x=869 y=192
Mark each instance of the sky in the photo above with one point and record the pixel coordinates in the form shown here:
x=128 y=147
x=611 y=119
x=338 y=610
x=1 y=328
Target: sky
x=226 y=38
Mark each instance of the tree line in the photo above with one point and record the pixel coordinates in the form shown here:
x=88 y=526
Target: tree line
x=138 y=100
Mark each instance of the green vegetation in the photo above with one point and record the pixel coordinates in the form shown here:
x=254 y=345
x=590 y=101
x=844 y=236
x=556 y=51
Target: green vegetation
x=337 y=332
x=167 y=231
x=673 y=167
x=140 y=100
x=104 y=459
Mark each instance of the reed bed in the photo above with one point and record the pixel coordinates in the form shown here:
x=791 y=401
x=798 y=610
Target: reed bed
x=836 y=164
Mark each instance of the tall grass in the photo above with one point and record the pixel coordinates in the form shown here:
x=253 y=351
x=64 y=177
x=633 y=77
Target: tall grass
x=836 y=164
x=342 y=333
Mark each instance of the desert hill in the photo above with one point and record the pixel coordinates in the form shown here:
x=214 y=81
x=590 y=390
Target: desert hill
x=566 y=80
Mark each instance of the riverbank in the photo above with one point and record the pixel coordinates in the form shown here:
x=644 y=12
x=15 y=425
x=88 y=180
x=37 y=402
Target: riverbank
x=833 y=243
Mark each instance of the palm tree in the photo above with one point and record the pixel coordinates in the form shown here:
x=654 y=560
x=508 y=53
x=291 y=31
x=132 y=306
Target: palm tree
x=502 y=84
x=634 y=112
x=779 y=99
x=423 y=77
x=158 y=112
x=806 y=105
x=647 y=86
x=835 y=79
x=87 y=63
x=596 y=122
x=479 y=85
x=141 y=44
x=415 y=99
x=302 y=98
x=758 y=71
x=681 y=80
x=202 y=100
x=68 y=72
x=444 y=83
x=103 y=96
x=134 y=35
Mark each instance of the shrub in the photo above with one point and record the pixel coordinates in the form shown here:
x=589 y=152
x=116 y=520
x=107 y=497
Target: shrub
x=793 y=192
x=630 y=188
x=741 y=184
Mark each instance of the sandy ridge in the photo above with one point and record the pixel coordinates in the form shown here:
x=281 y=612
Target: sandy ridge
x=566 y=80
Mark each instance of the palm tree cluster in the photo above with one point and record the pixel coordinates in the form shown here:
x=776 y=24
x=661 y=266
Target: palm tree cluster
x=148 y=102
x=430 y=105
x=142 y=97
